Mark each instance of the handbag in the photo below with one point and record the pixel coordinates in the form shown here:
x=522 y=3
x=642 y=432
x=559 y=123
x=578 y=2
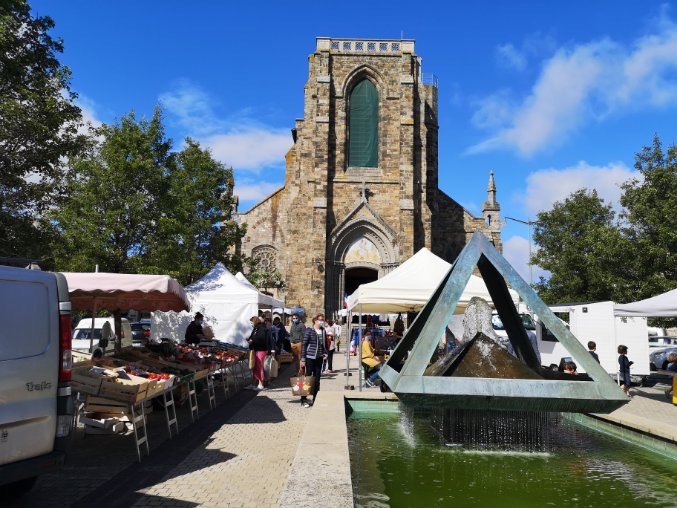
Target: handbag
x=252 y=358
x=302 y=385
x=270 y=367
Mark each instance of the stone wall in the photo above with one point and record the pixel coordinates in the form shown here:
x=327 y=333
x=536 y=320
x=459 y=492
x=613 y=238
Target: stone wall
x=324 y=205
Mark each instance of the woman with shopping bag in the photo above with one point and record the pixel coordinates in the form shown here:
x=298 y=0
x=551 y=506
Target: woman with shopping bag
x=259 y=344
x=313 y=352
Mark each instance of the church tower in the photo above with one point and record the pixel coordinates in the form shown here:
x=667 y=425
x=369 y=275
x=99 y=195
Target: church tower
x=361 y=186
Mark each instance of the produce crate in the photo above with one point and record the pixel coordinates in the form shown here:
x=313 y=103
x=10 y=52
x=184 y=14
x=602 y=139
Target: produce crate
x=127 y=390
x=84 y=382
x=107 y=406
x=160 y=386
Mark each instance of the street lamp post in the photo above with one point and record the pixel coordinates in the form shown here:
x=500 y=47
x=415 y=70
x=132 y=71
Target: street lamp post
x=529 y=224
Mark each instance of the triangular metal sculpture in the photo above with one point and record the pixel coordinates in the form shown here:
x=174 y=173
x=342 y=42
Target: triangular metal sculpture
x=404 y=371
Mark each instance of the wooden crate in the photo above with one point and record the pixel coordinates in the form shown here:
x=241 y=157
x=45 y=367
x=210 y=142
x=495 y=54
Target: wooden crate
x=105 y=405
x=127 y=390
x=160 y=386
x=82 y=381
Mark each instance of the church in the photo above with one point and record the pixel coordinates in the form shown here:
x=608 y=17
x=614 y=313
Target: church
x=361 y=192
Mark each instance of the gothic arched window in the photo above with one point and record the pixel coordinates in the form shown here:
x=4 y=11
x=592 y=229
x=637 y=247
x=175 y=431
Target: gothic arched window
x=363 y=126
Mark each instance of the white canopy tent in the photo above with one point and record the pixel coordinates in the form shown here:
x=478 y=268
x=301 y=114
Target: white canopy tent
x=410 y=286
x=226 y=303
x=663 y=305
x=276 y=310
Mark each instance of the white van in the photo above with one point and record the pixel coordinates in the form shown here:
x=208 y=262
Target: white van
x=36 y=410
x=83 y=332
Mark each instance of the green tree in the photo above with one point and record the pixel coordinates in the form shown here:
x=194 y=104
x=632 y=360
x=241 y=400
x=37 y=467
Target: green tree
x=579 y=243
x=196 y=228
x=114 y=197
x=650 y=204
x=38 y=126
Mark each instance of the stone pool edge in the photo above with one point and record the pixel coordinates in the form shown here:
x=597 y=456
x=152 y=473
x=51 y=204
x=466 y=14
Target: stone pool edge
x=320 y=472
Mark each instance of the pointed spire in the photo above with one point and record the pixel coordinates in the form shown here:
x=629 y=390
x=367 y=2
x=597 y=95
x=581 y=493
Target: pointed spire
x=491 y=203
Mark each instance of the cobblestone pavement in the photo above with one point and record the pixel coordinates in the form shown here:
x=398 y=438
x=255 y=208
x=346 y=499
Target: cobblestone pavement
x=239 y=454
x=244 y=463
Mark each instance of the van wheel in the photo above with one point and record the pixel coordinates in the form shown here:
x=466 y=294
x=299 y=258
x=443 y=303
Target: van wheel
x=20 y=488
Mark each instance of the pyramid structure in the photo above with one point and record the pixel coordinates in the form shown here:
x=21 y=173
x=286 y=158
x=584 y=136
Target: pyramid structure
x=404 y=372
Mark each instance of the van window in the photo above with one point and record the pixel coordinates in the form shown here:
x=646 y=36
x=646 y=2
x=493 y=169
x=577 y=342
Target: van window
x=527 y=322
x=25 y=322
x=82 y=333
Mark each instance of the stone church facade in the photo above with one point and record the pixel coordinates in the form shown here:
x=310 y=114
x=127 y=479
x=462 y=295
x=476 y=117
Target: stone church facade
x=361 y=189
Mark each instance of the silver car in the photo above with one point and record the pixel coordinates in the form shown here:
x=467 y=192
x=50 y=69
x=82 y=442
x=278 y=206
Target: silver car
x=658 y=358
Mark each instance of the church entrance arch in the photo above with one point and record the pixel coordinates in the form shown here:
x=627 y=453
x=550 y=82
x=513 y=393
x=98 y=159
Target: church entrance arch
x=359 y=275
x=361 y=255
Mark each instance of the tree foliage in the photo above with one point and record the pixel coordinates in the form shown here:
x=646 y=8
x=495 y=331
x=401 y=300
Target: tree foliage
x=134 y=206
x=577 y=243
x=195 y=229
x=593 y=254
x=650 y=205
x=113 y=198
x=38 y=126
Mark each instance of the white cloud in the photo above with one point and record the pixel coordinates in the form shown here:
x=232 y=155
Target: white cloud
x=251 y=148
x=584 y=83
x=89 y=114
x=546 y=186
x=510 y=57
x=191 y=108
x=237 y=140
x=254 y=192
x=493 y=111
x=516 y=251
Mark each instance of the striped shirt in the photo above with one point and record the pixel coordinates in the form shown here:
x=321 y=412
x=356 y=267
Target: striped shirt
x=313 y=344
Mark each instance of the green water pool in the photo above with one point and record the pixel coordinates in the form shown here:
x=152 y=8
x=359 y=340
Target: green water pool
x=398 y=460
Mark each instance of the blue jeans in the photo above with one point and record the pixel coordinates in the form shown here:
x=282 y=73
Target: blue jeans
x=373 y=373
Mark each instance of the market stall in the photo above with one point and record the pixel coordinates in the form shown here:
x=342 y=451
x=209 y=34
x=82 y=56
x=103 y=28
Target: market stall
x=226 y=303
x=114 y=389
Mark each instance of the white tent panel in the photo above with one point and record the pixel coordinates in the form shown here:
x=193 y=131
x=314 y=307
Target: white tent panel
x=410 y=286
x=226 y=303
x=663 y=305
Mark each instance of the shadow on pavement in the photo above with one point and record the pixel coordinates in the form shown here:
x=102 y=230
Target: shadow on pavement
x=121 y=489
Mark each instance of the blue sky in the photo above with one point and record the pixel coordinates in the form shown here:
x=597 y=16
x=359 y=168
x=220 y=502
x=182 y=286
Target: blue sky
x=552 y=96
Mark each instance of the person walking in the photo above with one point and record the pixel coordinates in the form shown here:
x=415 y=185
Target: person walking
x=313 y=353
x=330 y=330
x=260 y=343
x=591 y=349
x=296 y=331
x=281 y=334
x=624 y=368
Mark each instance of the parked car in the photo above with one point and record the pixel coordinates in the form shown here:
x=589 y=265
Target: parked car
x=658 y=358
x=36 y=410
x=140 y=333
x=662 y=341
x=96 y=346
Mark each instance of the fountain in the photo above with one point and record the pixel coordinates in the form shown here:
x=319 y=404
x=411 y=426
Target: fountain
x=484 y=424
x=483 y=374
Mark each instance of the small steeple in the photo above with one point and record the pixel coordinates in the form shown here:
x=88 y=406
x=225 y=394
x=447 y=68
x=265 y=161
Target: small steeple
x=491 y=193
x=491 y=209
